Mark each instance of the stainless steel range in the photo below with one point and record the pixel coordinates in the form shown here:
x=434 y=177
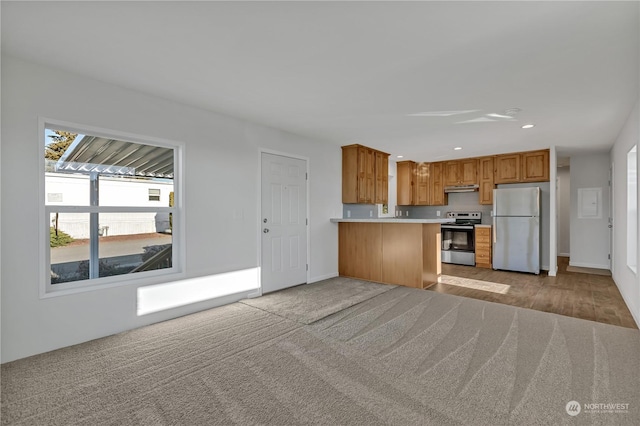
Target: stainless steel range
x=458 y=242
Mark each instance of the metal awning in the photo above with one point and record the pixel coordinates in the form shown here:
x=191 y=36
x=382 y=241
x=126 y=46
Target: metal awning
x=92 y=154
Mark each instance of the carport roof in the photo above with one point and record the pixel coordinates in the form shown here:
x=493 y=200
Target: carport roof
x=92 y=154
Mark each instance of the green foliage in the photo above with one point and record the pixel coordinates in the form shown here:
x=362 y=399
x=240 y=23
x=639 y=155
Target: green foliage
x=59 y=238
x=171 y=200
x=60 y=141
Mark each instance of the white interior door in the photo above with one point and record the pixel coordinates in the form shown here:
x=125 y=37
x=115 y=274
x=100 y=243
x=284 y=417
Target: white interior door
x=283 y=222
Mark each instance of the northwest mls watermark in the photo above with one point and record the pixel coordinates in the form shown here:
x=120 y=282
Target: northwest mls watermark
x=574 y=408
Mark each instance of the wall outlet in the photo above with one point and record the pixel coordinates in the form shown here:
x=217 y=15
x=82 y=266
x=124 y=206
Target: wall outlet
x=348 y=213
x=407 y=213
x=370 y=213
x=438 y=213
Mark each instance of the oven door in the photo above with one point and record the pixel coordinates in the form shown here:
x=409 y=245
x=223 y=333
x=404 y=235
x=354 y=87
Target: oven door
x=458 y=244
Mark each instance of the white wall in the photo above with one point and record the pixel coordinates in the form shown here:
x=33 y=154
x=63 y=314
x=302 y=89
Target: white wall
x=590 y=237
x=221 y=200
x=564 y=211
x=627 y=281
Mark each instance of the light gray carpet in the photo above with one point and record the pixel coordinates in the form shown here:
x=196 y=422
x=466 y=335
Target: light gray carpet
x=310 y=302
x=404 y=357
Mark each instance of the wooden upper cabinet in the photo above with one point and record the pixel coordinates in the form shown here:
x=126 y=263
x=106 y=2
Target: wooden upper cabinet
x=362 y=182
x=507 y=168
x=485 y=177
x=530 y=166
x=461 y=172
x=436 y=182
x=406 y=181
x=451 y=173
x=469 y=171
x=422 y=185
x=535 y=166
x=366 y=175
x=382 y=178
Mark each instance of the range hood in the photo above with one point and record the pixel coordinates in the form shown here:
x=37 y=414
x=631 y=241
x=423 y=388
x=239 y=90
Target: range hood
x=461 y=188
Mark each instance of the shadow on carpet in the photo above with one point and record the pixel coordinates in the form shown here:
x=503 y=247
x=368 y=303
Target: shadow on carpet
x=309 y=303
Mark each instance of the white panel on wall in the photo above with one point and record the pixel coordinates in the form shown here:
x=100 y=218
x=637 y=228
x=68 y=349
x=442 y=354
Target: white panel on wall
x=589 y=203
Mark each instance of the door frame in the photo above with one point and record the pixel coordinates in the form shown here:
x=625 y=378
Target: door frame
x=611 y=219
x=259 y=211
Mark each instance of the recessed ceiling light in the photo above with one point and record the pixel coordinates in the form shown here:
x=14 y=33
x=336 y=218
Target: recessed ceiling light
x=400 y=156
x=528 y=126
x=457 y=148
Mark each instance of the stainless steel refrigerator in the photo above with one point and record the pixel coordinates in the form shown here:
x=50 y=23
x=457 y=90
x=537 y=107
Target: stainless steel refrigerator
x=516 y=229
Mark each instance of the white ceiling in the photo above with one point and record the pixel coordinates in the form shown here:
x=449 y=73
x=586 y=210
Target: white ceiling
x=351 y=72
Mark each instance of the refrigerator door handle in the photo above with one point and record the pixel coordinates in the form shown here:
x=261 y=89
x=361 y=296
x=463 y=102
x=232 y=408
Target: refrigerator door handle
x=495 y=232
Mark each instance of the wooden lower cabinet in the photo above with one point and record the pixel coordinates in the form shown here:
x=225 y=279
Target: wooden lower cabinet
x=405 y=254
x=483 y=246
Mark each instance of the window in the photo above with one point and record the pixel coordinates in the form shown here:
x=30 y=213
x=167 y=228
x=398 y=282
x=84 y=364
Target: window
x=106 y=220
x=632 y=209
x=154 y=194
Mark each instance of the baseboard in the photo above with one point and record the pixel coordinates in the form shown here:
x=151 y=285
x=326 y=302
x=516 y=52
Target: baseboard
x=589 y=265
x=256 y=294
x=321 y=278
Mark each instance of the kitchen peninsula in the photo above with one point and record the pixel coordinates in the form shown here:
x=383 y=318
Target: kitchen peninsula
x=390 y=250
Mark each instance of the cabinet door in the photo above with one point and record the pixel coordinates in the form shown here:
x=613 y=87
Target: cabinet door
x=452 y=173
x=438 y=197
x=350 y=175
x=468 y=171
x=406 y=182
x=535 y=166
x=422 y=188
x=507 y=168
x=366 y=175
x=486 y=180
x=382 y=178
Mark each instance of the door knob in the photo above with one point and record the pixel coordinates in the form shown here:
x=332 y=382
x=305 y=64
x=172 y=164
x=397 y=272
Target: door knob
x=265 y=230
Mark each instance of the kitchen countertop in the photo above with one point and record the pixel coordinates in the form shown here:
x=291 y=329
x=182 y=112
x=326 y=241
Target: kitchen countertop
x=392 y=220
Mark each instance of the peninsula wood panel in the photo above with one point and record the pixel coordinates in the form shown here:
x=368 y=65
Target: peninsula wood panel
x=431 y=254
x=360 y=250
x=402 y=254
x=405 y=254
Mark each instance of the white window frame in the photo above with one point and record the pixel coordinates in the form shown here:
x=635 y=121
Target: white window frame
x=175 y=272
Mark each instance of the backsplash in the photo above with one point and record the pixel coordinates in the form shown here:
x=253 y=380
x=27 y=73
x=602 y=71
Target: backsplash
x=458 y=202
x=359 y=211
